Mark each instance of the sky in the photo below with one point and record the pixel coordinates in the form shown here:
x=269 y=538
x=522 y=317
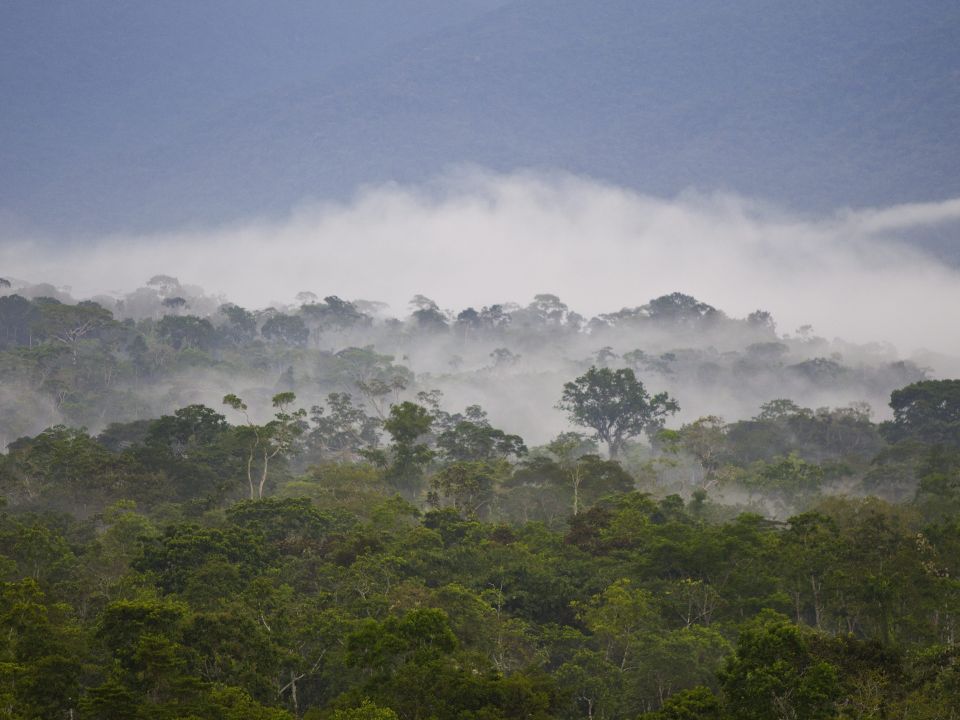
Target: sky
x=137 y=116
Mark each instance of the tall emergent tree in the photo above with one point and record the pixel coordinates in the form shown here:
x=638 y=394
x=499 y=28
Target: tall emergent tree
x=928 y=411
x=265 y=442
x=408 y=424
x=616 y=405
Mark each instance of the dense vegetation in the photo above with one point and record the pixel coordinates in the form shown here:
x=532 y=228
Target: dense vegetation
x=167 y=345
x=380 y=554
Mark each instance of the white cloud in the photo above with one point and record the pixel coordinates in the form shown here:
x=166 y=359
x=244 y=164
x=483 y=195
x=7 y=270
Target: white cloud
x=477 y=238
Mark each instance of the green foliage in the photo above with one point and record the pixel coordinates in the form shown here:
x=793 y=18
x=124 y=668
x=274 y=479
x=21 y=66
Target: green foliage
x=407 y=424
x=698 y=703
x=182 y=550
x=286 y=329
x=474 y=439
x=341 y=430
x=274 y=440
x=791 y=479
x=135 y=582
x=928 y=411
x=279 y=607
x=469 y=486
x=774 y=674
x=615 y=405
x=186 y=332
x=366 y=711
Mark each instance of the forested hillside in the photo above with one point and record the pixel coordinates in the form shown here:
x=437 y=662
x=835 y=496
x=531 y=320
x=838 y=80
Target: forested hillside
x=167 y=345
x=344 y=464
x=320 y=511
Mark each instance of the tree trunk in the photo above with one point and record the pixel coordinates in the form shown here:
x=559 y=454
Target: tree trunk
x=293 y=694
x=250 y=475
x=576 y=492
x=613 y=448
x=817 y=609
x=263 y=476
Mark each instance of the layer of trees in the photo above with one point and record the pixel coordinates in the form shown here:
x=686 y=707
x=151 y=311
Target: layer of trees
x=212 y=512
x=333 y=564
x=164 y=346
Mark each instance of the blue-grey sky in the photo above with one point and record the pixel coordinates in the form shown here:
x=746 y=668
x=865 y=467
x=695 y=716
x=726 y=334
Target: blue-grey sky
x=139 y=116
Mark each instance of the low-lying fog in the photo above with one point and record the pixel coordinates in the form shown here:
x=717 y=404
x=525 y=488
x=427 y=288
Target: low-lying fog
x=848 y=288
x=476 y=238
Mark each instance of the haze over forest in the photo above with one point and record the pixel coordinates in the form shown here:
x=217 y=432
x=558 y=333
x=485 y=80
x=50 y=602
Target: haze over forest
x=480 y=360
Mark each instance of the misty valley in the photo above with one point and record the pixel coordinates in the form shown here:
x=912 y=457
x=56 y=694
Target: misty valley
x=480 y=360
x=323 y=510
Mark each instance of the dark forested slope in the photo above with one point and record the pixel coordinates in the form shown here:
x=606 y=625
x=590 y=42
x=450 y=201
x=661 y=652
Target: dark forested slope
x=382 y=553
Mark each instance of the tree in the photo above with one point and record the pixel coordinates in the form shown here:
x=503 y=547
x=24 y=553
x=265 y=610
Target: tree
x=599 y=478
x=474 y=438
x=40 y=669
x=375 y=375
x=705 y=440
x=928 y=411
x=341 y=428
x=681 y=659
x=605 y=356
x=548 y=309
x=188 y=428
x=779 y=410
x=697 y=703
x=504 y=358
x=333 y=314
x=569 y=449
x=762 y=321
x=69 y=324
x=366 y=711
x=428 y=317
x=809 y=554
x=265 y=442
x=775 y=675
x=619 y=617
x=469 y=485
x=59 y=466
x=407 y=424
x=286 y=330
x=17 y=317
x=679 y=309
x=241 y=325
x=789 y=479
x=616 y=405
x=186 y=331
x=176 y=303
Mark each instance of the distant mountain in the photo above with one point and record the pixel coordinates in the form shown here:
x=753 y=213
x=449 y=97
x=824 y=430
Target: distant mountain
x=149 y=115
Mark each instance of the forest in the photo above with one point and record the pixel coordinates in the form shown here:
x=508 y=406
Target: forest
x=318 y=510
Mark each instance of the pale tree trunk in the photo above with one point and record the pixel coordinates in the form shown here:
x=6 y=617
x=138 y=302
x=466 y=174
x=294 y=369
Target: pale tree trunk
x=577 y=479
x=250 y=475
x=293 y=695
x=589 y=702
x=267 y=456
x=817 y=606
x=613 y=448
x=263 y=475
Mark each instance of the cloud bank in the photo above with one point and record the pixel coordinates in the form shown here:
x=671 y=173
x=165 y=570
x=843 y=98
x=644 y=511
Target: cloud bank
x=475 y=238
